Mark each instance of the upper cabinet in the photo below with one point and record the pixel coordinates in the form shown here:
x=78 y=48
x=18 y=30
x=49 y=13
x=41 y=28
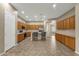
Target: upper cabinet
x=72 y=22
x=68 y=23
x=20 y=25
x=33 y=26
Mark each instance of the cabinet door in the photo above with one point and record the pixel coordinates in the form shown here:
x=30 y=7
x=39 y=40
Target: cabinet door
x=57 y=36
x=66 y=41
x=28 y=34
x=67 y=23
x=19 y=25
x=64 y=24
x=63 y=39
x=60 y=37
x=72 y=22
x=20 y=37
x=60 y=24
x=56 y=24
x=70 y=42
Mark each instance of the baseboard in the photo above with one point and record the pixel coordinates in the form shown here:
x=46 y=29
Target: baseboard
x=76 y=52
x=2 y=53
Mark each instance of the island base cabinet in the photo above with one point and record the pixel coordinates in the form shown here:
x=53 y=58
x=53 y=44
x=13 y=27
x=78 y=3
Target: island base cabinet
x=28 y=34
x=20 y=37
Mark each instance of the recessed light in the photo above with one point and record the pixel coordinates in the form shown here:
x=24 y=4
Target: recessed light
x=54 y=5
x=44 y=16
x=35 y=16
x=27 y=16
x=22 y=12
x=15 y=12
x=30 y=19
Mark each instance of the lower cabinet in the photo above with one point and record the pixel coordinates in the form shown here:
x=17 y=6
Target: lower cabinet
x=63 y=39
x=60 y=38
x=70 y=42
x=28 y=34
x=66 y=40
x=20 y=37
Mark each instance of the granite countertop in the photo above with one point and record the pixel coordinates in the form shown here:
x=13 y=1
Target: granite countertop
x=24 y=31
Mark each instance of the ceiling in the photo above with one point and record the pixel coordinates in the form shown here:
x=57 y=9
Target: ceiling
x=42 y=11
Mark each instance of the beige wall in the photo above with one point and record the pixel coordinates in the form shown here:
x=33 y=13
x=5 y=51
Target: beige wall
x=10 y=26
x=1 y=28
x=3 y=8
x=64 y=16
x=67 y=14
x=77 y=28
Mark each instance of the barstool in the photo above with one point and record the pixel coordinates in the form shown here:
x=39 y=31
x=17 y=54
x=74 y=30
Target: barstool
x=43 y=36
x=35 y=36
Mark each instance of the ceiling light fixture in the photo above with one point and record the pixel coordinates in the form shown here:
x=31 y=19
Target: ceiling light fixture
x=27 y=16
x=54 y=5
x=35 y=16
x=30 y=19
x=22 y=12
x=44 y=16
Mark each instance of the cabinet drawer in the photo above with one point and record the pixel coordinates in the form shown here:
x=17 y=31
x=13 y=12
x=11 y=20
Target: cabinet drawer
x=72 y=22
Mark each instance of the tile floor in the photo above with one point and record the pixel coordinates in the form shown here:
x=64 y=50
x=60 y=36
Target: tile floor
x=50 y=47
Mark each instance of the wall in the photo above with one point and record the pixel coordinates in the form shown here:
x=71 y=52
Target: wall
x=53 y=26
x=7 y=27
x=1 y=28
x=20 y=20
x=77 y=28
x=50 y=27
x=66 y=15
x=10 y=26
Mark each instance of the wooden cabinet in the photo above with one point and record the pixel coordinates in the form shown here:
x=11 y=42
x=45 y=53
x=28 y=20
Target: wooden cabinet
x=33 y=27
x=28 y=34
x=70 y=42
x=72 y=22
x=68 y=23
x=60 y=38
x=64 y=24
x=66 y=40
x=19 y=25
x=63 y=39
x=58 y=25
x=20 y=37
